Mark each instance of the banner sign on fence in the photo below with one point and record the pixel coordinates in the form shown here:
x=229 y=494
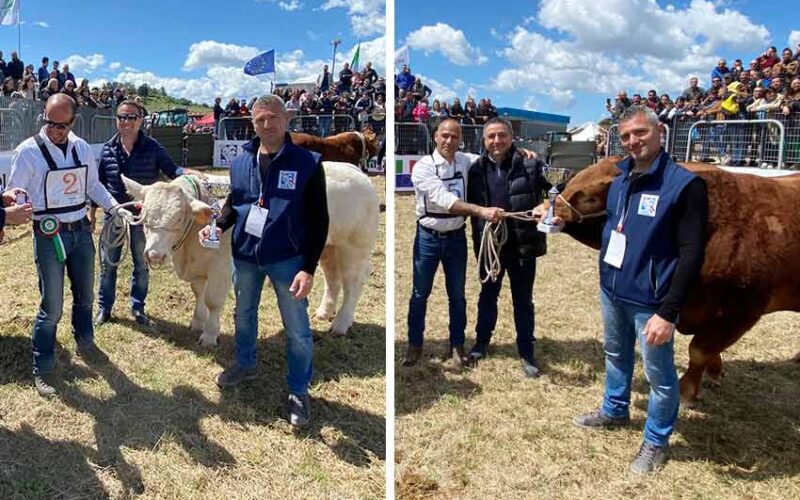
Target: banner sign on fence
x=404 y=164
x=226 y=151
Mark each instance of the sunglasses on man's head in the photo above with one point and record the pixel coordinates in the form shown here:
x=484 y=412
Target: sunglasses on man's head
x=57 y=125
x=127 y=118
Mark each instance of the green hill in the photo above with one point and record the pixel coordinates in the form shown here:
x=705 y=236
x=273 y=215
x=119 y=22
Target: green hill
x=160 y=103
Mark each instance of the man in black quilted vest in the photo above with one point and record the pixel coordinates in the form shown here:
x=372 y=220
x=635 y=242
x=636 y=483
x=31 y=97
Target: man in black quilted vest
x=141 y=158
x=502 y=177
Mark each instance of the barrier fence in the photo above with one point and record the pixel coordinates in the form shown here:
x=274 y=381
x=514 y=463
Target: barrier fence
x=11 y=131
x=769 y=140
x=322 y=125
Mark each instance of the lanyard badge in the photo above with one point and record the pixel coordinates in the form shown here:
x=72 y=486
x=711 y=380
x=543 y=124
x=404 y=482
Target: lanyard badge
x=50 y=228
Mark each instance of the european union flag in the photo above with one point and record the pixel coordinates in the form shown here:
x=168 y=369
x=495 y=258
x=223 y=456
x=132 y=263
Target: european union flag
x=262 y=63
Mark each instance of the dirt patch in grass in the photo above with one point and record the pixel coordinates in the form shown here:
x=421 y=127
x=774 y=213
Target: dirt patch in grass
x=153 y=422
x=491 y=433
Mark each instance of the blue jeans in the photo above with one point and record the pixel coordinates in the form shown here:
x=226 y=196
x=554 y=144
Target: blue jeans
x=429 y=250
x=521 y=274
x=140 y=278
x=622 y=324
x=79 y=249
x=248 y=281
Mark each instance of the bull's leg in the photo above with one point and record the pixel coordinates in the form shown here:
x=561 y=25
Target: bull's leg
x=216 y=292
x=333 y=284
x=714 y=369
x=200 y=309
x=354 y=267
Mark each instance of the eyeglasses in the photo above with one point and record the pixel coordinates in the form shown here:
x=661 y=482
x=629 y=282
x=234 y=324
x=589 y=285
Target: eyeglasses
x=57 y=125
x=127 y=118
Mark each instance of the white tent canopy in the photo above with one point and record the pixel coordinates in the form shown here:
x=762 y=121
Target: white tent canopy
x=585 y=132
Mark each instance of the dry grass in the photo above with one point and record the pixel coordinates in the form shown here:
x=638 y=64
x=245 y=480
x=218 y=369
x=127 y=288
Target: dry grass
x=155 y=417
x=491 y=433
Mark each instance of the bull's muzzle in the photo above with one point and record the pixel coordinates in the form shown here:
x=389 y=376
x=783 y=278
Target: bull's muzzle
x=154 y=258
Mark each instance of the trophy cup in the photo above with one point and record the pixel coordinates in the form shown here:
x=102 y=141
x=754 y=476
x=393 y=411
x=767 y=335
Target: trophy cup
x=218 y=191
x=554 y=176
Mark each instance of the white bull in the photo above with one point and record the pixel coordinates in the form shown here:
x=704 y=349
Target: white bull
x=176 y=211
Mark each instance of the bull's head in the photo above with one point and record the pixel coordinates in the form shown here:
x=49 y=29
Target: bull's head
x=170 y=212
x=584 y=197
x=372 y=140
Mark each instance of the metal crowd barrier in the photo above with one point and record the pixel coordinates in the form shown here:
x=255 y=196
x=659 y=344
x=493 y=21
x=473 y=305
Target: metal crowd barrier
x=235 y=128
x=322 y=125
x=11 y=129
x=412 y=139
x=753 y=139
x=472 y=138
x=101 y=128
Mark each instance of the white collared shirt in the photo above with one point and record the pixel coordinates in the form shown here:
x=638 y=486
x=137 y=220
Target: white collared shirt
x=438 y=184
x=29 y=168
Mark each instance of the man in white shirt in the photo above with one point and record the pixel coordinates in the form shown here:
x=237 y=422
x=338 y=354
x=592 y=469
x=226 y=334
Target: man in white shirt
x=59 y=172
x=440 y=186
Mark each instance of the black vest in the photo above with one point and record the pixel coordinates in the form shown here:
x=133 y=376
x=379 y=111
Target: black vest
x=526 y=186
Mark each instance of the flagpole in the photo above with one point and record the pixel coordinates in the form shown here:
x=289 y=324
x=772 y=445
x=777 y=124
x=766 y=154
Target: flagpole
x=19 y=30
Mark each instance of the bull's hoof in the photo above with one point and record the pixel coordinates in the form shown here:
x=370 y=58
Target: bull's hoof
x=690 y=393
x=339 y=332
x=715 y=379
x=208 y=341
x=324 y=315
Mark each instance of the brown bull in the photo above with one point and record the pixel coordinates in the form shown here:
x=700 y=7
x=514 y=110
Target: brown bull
x=752 y=263
x=348 y=147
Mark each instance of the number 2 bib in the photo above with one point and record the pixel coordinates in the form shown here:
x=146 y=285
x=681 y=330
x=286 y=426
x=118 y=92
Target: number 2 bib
x=64 y=188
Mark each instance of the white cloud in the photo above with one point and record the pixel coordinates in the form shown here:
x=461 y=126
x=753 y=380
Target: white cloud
x=794 y=39
x=290 y=6
x=371 y=51
x=367 y=17
x=211 y=53
x=115 y=65
x=451 y=42
x=606 y=45
x=84 y=64
x=530 y=103
x=312 y=35
x=41 y=24
x=439 y=90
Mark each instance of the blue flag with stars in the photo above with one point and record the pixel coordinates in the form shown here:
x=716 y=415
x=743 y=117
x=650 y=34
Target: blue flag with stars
x=262 y=63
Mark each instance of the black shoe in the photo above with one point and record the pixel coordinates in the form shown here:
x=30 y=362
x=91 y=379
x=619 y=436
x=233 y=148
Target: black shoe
x=478 y=352
x=45 y=384
x=599 y=420
x=299 y=410
x=101 y=317
x=92 y=354
x=530 y=368
x=235 y=375
x=649 y=458
x=413 y=353
x=141 y=318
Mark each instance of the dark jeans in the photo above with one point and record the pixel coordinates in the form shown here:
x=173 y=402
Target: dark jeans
x=79 y=265
x=140 y=277
x=521 y=274
x=429 y=249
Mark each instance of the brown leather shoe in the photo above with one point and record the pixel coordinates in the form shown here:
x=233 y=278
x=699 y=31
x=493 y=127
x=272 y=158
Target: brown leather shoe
x=413 y=353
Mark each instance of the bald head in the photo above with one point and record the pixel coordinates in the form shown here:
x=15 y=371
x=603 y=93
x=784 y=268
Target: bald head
x=59 y=115
x=448 y=139
x=60 y=103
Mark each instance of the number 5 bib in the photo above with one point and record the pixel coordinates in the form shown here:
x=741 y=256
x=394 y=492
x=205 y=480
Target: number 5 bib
x=64 y=188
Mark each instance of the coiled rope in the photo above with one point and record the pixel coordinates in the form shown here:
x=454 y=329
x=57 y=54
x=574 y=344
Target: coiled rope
x=116 y=231
x=493 y=238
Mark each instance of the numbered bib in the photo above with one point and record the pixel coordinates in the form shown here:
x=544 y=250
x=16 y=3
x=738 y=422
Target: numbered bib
x=256 y=220
x=615 y=253
x=65 y=188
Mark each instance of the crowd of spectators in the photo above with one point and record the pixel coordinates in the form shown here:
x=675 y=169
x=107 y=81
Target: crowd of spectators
x=770 y=84
x=20 y=81
x=412 y=103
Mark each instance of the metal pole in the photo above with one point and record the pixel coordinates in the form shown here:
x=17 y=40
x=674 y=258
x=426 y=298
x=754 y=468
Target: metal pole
x=335 y=44
x=19 y=31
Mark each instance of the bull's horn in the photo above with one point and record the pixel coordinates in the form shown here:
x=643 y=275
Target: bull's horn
x=133 y=188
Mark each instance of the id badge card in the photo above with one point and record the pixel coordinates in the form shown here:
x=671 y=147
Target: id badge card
x=256 y=220
x=616 y=250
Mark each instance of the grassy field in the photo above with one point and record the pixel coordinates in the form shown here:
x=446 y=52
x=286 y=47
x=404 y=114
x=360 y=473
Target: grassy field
x=491 y=433
x=153 y=418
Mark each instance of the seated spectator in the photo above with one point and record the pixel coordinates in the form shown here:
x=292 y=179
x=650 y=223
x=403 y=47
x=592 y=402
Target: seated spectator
x=436 y=109
x=747 y=81
x=85 y=98
x=621 y=103
x=363 y=104
x=679 y=109
x=52 y=88
x=737 y=70
x=765 y=101
x=788 y=63
x=69 y=89
x=28 y=87
x=768 y=59
x=104 y=100
x=791 y=100
x=8 y=86
x=652 y=100
x=777 y=84
x=420 y=112
x=380 y=104
x=456 y=110
x=713 y=92
x=665 y=107
x=636 y=100
x=693 y=90
x=720 y=70
x=294 y=103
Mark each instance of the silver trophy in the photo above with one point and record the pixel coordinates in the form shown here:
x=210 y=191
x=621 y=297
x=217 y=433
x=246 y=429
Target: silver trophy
x=218 y=191
x=554 y=176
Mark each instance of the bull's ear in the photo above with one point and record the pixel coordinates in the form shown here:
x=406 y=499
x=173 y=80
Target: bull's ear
x=134 y=189
x=202 y=212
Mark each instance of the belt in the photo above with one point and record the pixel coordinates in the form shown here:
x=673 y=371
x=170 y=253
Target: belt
x=442 y=234
x=66 y=226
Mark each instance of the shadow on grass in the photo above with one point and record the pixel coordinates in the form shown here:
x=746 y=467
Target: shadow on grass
x=748 y=426
x=32 y=466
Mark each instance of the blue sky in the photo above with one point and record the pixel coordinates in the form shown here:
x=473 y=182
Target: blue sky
x=566 y=57
x=196 y=49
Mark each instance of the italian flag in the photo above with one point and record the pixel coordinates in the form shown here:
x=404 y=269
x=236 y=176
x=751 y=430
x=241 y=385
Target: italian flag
x=9 y=12
x=356 y=56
